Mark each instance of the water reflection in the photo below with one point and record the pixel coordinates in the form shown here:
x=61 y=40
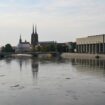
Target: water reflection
x=52 y=82
x=100 y=63
x=89 y=66
x=24 y=62
x=20 y=63
x=34 y=66
x=8 y=60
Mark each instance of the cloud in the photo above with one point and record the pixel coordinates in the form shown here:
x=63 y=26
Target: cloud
x=59 y=19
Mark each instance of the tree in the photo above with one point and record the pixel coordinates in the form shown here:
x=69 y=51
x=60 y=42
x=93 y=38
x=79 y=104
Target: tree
x=59 y=48
x=7 y=48
x=52 y=47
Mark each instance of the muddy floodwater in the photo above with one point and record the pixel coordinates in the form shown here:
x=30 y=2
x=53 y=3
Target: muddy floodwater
x=27 y=81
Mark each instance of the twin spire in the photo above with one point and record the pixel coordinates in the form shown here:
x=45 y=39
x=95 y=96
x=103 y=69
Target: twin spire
x=35 y=29
x=34 y=36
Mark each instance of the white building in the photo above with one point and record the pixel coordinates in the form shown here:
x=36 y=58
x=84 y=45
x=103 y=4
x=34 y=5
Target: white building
x=23 y=46
x=91 y=44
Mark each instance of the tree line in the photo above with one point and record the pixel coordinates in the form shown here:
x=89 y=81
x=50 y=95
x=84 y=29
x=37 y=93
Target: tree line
x=44 y=48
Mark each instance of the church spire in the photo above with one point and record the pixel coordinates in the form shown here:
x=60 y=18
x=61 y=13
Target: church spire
x=20 y=40
x=33 y=29
x=34 y=36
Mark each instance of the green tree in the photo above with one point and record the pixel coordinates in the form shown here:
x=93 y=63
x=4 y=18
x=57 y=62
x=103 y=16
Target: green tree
x=7 y=48
x=52 y=47
x=59 y=48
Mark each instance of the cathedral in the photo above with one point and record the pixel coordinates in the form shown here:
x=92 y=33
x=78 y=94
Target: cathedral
x=26 y=46
x=34 y=37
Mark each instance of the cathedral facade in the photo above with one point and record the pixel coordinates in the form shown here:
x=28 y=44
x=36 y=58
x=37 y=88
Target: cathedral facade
x=34 y=37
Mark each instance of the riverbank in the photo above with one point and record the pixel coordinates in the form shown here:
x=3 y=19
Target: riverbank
x=82 y=55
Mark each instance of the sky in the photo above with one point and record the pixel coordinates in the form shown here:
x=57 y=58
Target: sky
x=56 y=20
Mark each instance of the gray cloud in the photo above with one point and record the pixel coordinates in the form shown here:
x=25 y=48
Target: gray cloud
x=61 y=20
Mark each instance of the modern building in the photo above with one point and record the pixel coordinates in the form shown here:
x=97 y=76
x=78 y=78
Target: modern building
x=34 y=37
x=91 y=44
x=23 y=46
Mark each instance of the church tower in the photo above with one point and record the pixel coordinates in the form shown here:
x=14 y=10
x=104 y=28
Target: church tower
x=20 y=40
x=34 y=37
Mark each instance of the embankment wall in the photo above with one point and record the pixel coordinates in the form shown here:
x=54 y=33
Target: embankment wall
x=82 y=55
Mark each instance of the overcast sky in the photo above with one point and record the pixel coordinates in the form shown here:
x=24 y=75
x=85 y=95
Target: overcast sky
x=57 y=20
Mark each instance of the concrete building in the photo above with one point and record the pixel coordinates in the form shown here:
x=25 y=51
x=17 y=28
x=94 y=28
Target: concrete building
x=91 y=44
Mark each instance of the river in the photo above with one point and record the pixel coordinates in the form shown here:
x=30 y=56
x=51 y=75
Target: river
x=29 y=81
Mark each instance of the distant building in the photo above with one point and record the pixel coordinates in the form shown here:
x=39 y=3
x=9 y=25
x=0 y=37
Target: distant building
x=45 y=43
x=66 y=47
x=47 y=46
x=34 y=37
x=91 y=44
x=71 y=46
x=23 y=46
x=62 y=47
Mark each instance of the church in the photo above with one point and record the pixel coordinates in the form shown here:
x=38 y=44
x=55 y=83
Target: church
x=34 y=37
x=27 y=46
x=23 y=46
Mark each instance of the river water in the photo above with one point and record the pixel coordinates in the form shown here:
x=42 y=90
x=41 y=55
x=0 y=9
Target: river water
x=29 y=81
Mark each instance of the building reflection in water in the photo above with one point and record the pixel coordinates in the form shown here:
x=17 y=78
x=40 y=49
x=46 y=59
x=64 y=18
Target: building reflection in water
x=91 y=66
x=34 y=66
x=23 y=61
x=20 y=63
x=100 y=63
